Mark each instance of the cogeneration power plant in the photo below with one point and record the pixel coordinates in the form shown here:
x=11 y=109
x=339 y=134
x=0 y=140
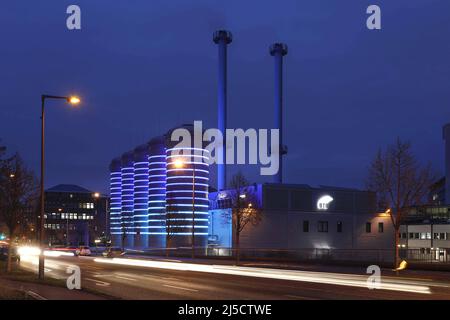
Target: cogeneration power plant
x=156 y=203
x=157 y=197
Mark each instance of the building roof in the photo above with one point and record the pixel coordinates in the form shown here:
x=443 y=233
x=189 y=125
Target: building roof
x=307 y=186
x=68 y=188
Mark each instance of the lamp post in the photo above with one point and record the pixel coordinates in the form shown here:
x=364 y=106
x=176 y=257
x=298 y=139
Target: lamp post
x=193 y=210
x=74 y=101
x=180 y=164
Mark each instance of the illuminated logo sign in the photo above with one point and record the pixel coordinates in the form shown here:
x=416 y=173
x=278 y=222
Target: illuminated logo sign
x=222 y=195
x=324 y=202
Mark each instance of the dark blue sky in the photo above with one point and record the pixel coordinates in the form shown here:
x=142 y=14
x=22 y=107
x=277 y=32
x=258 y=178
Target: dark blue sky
x=143 y=67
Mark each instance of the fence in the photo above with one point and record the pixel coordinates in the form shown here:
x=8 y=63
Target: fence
x=426 y=255
x=284 y=255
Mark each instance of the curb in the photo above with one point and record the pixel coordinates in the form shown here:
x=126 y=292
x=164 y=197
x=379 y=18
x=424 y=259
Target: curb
x=35 y=295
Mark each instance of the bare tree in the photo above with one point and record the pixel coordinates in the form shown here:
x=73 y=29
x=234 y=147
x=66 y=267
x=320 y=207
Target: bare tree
x=170 y=224
x=244 y=208
x=400 y=182
x=18 y=192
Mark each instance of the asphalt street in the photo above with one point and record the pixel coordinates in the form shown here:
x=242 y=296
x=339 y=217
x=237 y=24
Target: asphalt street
x=171 y=279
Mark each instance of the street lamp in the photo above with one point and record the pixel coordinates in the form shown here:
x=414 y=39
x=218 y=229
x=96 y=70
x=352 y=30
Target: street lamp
x=180 y=164
x=73 y=100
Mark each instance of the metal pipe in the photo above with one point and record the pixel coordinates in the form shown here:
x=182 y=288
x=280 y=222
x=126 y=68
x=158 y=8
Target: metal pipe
x=42 y=219
x=278 y=50
x=222 y=38
x=446 y=136
x=193 y=208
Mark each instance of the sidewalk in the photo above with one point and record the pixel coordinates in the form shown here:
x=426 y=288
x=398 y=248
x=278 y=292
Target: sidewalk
x=39 y=291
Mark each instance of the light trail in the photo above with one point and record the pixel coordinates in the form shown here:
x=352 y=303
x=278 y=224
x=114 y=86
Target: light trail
x=28 y=251
x=292 y=275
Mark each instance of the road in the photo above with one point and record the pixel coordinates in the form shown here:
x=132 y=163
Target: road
x=166 y=279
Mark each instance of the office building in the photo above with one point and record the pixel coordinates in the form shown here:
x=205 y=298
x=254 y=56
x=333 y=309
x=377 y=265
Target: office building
x=75 y=216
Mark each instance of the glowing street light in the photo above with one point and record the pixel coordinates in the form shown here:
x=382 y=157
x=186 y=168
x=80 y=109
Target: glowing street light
x=73 y=100
x=178 y=163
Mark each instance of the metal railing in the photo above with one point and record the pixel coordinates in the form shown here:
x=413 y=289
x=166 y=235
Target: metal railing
x=280 y=255
x=426 y=255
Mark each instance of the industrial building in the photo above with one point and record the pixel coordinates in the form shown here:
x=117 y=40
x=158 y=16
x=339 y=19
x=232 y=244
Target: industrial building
x=299 y=220
x=157 y=203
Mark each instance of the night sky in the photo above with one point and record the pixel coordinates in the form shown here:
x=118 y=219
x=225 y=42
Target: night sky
x=142 y=67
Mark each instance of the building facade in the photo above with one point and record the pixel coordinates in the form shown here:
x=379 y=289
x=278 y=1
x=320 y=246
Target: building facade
x=75 y=216
x=425 y=230
x=425 y=234
x=301 y=220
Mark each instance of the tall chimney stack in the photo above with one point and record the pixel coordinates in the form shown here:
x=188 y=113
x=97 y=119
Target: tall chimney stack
x=278 y=51
x=222 y=38
x=446 y=136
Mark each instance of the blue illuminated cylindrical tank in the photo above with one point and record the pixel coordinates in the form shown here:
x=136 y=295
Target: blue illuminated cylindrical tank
x=140 y=217
x=128 y=230
x=115 y=201
x=157 y=192
x=187 y=185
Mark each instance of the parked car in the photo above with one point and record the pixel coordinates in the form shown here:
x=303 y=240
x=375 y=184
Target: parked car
x=113 y=252
x=4 y=254
x=83 y=251
x=74 y=250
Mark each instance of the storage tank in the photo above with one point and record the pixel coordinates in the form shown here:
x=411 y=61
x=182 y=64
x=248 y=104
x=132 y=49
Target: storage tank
x=115 y=211
x=141 y=179
x=187 y=202
x=127 y=171
x=157 y=192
